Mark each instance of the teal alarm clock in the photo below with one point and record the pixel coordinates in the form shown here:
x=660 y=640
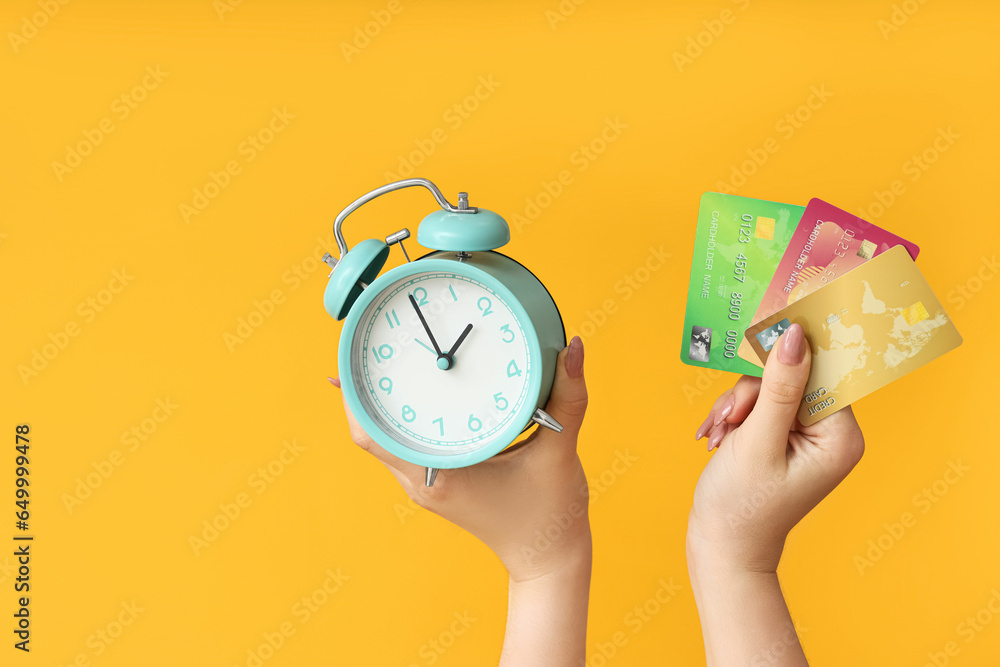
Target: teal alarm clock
x=446 y=359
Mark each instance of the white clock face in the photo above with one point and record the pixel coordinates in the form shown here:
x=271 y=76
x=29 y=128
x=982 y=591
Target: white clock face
x=454 y=399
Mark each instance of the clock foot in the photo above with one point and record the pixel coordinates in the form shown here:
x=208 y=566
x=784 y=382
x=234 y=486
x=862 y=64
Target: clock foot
x=432 y=474
x=542 y=418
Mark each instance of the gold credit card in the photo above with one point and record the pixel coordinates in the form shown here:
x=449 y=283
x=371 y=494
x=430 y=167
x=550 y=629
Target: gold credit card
x=870 y=326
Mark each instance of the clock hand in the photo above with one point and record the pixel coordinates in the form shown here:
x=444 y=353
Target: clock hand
x=426 y=328
x=454 y=348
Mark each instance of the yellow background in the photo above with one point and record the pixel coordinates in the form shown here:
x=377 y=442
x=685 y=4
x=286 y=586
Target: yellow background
x=355 y=118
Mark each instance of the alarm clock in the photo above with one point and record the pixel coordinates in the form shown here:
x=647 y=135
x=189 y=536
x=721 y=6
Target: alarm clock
x=446 y=359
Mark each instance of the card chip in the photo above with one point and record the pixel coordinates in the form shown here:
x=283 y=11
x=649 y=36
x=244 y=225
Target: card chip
x=765 y=228
x=915 y=313
x=867 y=250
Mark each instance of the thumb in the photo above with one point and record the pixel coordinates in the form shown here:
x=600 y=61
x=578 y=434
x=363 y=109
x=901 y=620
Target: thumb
x=781 y=389
x=568 y=401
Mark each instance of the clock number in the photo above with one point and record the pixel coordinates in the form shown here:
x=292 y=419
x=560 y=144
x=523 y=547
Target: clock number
x=506 y=330
x=500 y=401
x=421 y=300
x=475 y=423
x=409 y=414
x=440 y=422
x=385 y=384
x=487 y=310
x=390 y=320
x=454 y=296
x=513 y=370
x=382 y=353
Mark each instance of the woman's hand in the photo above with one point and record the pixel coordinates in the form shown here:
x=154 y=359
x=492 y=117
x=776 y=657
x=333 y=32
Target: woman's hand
x=529 y=504
x=769 y=472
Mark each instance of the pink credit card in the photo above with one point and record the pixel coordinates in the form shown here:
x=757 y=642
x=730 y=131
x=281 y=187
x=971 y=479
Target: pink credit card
x=827 y=243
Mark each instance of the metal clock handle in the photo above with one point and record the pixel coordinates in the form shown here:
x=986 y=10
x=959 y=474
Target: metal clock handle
x=463 y=205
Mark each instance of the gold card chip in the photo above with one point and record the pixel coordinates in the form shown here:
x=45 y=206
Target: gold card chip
x=765 y=228
x=867 y=250
x=915 y=313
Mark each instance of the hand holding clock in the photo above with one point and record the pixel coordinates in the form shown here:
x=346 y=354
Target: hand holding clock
x=507 y=501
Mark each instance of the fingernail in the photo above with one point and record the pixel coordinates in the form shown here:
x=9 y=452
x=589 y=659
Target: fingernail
x=726 y=409
x=717 y=436
x=793 y=346
x=700 y=433
x=574 y=358
x=335 y=382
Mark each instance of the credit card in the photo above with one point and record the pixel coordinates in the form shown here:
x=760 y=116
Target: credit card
x=827 y=243
x=737 y=247
x=867 y=328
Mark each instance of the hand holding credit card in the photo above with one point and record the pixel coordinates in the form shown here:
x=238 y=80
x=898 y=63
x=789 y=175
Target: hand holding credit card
x=867 y=312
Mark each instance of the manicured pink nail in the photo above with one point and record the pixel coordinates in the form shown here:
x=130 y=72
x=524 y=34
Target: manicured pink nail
x=793 y=346
x=700 y=433
x=335 y=382
x=726 y=410
x=717 y=436
x=574 y=358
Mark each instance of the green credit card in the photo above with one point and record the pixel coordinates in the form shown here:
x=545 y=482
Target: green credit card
x=737 y=248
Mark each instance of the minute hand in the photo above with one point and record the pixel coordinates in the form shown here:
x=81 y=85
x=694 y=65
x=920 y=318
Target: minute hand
x=424 y=322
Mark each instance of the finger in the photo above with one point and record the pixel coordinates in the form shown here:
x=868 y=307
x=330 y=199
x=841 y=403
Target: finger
x=745 y=393
x=568 y=400
x=732 y=406
x=718 y=433
x=720 y=410
x=781 y=388
x=397 y=466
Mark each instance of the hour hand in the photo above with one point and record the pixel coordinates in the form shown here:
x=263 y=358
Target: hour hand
x=420 y=315
x=458 y=342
